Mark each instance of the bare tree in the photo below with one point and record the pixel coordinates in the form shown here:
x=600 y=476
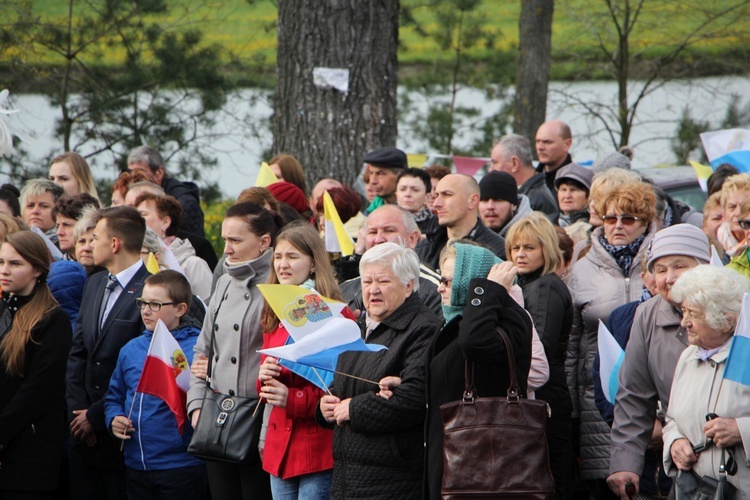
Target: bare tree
x=534 y=56
x=619 y=29
x=329 y=130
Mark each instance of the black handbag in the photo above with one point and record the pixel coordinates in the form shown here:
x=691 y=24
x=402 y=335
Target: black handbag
x=228 y=427
x=689 y=486
x=496 y=447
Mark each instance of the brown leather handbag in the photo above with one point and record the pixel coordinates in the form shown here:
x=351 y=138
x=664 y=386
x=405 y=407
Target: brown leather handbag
x=496 y=447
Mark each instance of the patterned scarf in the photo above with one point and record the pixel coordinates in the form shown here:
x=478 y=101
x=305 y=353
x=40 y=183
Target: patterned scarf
x=423 y=214
x=623 y=254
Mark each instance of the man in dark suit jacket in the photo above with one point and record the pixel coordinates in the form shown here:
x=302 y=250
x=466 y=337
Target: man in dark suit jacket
x=109 y=318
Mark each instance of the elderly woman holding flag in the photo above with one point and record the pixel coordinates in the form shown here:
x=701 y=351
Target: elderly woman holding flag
x=708 y=420
x=297 y=452
x=378 y=443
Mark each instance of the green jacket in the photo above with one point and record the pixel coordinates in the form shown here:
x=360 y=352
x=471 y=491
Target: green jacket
x=741 y=264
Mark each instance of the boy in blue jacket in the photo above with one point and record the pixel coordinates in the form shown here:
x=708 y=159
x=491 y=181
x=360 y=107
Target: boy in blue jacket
x=156 y=458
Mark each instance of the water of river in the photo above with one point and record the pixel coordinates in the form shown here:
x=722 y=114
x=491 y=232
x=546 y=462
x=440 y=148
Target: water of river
x=239 y=151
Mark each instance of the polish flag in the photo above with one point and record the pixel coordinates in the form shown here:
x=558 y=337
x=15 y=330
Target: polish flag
x=166 y=373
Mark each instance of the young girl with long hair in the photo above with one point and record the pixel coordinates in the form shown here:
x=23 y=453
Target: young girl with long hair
x=298 y=452
x=35 y=337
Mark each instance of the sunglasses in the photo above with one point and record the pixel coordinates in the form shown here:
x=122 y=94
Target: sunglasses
x=744 y=224
x=627 y=220
x=446 y=282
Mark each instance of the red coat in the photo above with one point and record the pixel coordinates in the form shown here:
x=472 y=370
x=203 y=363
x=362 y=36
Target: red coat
x=295 y=443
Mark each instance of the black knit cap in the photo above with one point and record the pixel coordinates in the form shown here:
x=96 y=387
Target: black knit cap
x=386 y=157
x=498 y=186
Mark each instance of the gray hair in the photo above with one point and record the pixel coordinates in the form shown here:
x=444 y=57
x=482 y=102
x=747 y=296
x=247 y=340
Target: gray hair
x=151 y=241
x=88 y=219
x=717 y=291
x=37 y=187
x=407 y=217
x=148 y=155
x=147 y=187
x=403 y=262
x=518 y=146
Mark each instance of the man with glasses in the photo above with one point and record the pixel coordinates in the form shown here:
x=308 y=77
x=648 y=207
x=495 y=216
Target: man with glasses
x=109 y=318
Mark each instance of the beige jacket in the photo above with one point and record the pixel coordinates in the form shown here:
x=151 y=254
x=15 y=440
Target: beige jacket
x=698 y=389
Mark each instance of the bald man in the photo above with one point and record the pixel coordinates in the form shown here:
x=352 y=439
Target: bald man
x=553 y=141
x=456 y=203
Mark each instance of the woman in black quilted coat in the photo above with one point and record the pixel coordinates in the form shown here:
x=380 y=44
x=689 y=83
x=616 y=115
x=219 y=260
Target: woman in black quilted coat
x=378 y=448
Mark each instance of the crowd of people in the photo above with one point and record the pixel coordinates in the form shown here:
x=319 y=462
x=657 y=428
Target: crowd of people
x=547 y=253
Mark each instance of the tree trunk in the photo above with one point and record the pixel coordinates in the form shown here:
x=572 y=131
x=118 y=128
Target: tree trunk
x=327 y=130
x=532 y=78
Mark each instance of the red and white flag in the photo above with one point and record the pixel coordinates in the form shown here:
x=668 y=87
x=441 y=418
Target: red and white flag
x=166 y=373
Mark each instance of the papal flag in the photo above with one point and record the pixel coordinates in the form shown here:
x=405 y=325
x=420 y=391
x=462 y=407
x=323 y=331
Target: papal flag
x=702 y=172
x=166 y=373
x=738 y=360
x=337 y=239
x=611 y=356
x=266 y=177
x=728 y=146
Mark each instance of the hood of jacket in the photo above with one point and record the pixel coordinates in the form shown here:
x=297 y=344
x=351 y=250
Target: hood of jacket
x=523 y=209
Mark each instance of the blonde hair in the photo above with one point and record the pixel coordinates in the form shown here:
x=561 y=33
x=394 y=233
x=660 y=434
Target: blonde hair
x=713 y=202
x=537 y=228
x=739 y=182
x=306 y=239
x=81 y=171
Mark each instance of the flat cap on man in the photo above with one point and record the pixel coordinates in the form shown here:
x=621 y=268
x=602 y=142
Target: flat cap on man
x=386 y=157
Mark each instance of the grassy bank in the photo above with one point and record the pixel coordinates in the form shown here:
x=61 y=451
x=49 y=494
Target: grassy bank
x=248 y=33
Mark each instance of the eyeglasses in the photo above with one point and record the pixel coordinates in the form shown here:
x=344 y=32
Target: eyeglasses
x=744 y=224
x=445 y=281
x=154 y=306
x=627 y=220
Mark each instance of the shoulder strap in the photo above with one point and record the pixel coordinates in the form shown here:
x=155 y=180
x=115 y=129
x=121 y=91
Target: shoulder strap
x=469 y=392
x=213 y=336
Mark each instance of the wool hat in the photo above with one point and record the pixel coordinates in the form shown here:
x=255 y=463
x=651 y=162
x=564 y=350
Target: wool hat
x=576 y=173
x=386 y=157
x=680 y=239
x=498 y=186
x=289 y=194
x=614 y=160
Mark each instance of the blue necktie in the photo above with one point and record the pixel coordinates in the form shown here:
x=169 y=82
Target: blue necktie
x=108 y=288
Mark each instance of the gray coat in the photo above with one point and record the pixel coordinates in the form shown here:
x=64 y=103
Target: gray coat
x=597 y=286
x=234 y=318
x=656 y=342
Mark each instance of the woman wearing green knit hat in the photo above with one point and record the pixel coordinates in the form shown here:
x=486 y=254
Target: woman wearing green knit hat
x=474 y=287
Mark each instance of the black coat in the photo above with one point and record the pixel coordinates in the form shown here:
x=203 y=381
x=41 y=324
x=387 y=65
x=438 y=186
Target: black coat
x=93 y=358
x=548 y=300
x=188 y=194
x=379 y=453
x=32 y=416
x=430 y=247
x=540 y=196
x=473 y=338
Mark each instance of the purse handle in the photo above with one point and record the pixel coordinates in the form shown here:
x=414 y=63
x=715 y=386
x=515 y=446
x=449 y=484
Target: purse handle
x=213 y=338
x=512 y=393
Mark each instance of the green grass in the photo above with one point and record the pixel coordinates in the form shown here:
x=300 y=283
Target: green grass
x=248 y=31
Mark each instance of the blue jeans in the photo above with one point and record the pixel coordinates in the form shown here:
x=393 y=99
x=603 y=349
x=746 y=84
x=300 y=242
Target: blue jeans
x=316 y=486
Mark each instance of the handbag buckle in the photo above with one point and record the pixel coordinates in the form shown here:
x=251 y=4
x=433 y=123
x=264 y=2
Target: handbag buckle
x=469 y=397
x=221 y=419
